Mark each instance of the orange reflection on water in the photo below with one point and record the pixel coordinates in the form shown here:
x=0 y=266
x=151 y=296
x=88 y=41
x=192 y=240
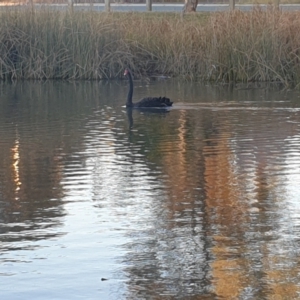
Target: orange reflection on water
x=15 y=166
x=223 y=195
x=238 y=263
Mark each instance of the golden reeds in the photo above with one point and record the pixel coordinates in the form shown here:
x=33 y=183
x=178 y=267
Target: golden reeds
x=226 y=46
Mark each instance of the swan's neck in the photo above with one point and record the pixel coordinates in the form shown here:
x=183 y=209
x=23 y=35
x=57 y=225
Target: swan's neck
x=130 y=92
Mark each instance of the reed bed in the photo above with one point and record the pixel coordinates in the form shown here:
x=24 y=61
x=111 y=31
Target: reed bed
x=226 y=46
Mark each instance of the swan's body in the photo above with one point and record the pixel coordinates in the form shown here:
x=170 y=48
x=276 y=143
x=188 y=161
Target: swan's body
x=160 y=102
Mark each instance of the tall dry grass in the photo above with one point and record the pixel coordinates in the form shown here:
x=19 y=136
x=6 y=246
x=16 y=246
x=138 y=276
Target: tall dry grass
x=225 y=46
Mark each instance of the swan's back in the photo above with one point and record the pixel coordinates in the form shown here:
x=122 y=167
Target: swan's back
x=154 y=102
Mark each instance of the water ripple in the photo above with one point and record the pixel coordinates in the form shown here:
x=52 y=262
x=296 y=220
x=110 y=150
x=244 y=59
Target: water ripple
x=198 y=201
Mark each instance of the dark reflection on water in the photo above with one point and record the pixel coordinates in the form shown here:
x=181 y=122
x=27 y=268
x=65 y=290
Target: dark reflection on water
x=198 y=202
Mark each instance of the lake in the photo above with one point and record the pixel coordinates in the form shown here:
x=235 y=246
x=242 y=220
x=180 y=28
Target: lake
x=201 y=201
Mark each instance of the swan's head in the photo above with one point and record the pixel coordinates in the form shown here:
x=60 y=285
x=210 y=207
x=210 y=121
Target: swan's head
x=126 y=72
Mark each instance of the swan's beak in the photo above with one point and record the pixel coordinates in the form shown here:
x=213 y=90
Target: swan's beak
x=125 y=72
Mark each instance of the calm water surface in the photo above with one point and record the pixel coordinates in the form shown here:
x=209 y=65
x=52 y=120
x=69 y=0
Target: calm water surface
x=200 y=202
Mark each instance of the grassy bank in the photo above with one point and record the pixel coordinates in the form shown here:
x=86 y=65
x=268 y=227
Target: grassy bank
x=236 y=46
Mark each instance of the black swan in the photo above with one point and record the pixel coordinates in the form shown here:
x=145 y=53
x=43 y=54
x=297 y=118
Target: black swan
x=160 y=102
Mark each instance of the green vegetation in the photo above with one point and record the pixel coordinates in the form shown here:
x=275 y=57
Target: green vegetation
x=225 y=46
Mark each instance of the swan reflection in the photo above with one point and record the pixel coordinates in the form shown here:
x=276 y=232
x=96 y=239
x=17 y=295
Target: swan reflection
x=145 y=111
